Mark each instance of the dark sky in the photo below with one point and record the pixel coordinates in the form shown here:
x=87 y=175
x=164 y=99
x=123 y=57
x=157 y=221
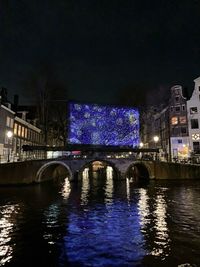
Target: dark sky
x=98 y=48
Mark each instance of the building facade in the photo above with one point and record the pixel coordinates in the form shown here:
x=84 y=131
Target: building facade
x=170 y=125
x=6 y=126
x=178 y=123
x=193 y=108
x=26 y=134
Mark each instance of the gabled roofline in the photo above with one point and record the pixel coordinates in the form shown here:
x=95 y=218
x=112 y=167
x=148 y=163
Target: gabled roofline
x=8 y=109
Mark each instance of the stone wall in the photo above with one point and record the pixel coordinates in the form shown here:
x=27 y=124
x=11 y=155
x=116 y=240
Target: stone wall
x=19 y=172
x=26 y=172
x=165 y=170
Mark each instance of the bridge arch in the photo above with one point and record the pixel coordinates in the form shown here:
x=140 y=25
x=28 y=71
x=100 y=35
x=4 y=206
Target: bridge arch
x=139 y=172
x=53 y=169
x=107 y=162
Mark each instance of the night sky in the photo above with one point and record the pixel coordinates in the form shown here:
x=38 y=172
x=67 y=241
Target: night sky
x=99 y=50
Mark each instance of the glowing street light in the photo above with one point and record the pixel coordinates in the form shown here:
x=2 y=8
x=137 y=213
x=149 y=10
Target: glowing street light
x=141 y=144
x=156 y=139
x=9 y=135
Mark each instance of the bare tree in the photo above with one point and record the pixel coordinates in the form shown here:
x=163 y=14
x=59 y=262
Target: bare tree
x=51 y=99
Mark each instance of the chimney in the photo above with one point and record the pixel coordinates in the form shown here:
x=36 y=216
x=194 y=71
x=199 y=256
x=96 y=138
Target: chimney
x=4 y=95
x=16 y=102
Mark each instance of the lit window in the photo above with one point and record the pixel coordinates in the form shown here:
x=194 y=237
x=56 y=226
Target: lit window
x=182 y=119
x=25 y=133
x=195 y=136
x=193 y=110
x=15 y=128
x=19 y=130
x=22 y=132
x=194 y=124
x=174 y=120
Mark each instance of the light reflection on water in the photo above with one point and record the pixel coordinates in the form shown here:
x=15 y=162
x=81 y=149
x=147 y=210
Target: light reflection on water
x=7 y=219
x=101 y=222
x=161 y=243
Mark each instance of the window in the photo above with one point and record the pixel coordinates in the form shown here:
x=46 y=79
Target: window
x=177 y=98
x=174 y=120
x=194 y=124
x=182 y=119
x=183 y=107
x=11 y=123
x=8 y=121
x=25 y=135
x=22 y=131
x=177 y=91
x=179 y=141
x=195 y=136
x=172 y=108
x=19 y=130
x=183 y=130
x=6 y=139
x=199 y=88
x=193 y=110
x=177 y=108
x=196 y=146
x=175 y=131
x=15 y=128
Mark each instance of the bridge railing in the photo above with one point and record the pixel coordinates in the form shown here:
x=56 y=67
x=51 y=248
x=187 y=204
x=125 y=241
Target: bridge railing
x=44 y=155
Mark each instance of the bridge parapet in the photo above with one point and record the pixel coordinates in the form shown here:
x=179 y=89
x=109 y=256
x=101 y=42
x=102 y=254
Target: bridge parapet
x=41 y=170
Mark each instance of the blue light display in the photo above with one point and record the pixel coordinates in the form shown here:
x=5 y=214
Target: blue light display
x=103 y=125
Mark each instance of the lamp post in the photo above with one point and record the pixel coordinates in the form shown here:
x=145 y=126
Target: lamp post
x=156 y=139
x=9 y=135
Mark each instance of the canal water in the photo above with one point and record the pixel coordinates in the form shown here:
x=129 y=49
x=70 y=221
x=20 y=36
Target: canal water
x=100 y=222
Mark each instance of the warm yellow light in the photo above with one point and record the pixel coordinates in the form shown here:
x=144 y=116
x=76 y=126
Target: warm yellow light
x=9 y=134
x=156 y=138
x=141 y=144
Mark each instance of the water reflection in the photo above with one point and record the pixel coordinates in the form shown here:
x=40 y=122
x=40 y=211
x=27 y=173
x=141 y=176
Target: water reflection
x=51 y=222
x=143 y=209
x=66 y=189
x=7 y=220
x=102 y=236
x=162 y=242
x=109 y=185
x=85 y=186
x=100 y=222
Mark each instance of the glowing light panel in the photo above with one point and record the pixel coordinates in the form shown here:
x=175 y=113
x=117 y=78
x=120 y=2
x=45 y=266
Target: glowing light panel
x=103 y=125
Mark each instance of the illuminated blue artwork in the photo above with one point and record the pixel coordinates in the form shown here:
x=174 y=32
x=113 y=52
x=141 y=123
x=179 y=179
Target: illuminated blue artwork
x=103 y=125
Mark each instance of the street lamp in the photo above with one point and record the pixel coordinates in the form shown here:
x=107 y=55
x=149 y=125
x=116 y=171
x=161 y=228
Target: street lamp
x=9 y=135
x=141 y=145
x=156 y=139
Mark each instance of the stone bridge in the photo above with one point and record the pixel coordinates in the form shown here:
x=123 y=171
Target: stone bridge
x=42 y=170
